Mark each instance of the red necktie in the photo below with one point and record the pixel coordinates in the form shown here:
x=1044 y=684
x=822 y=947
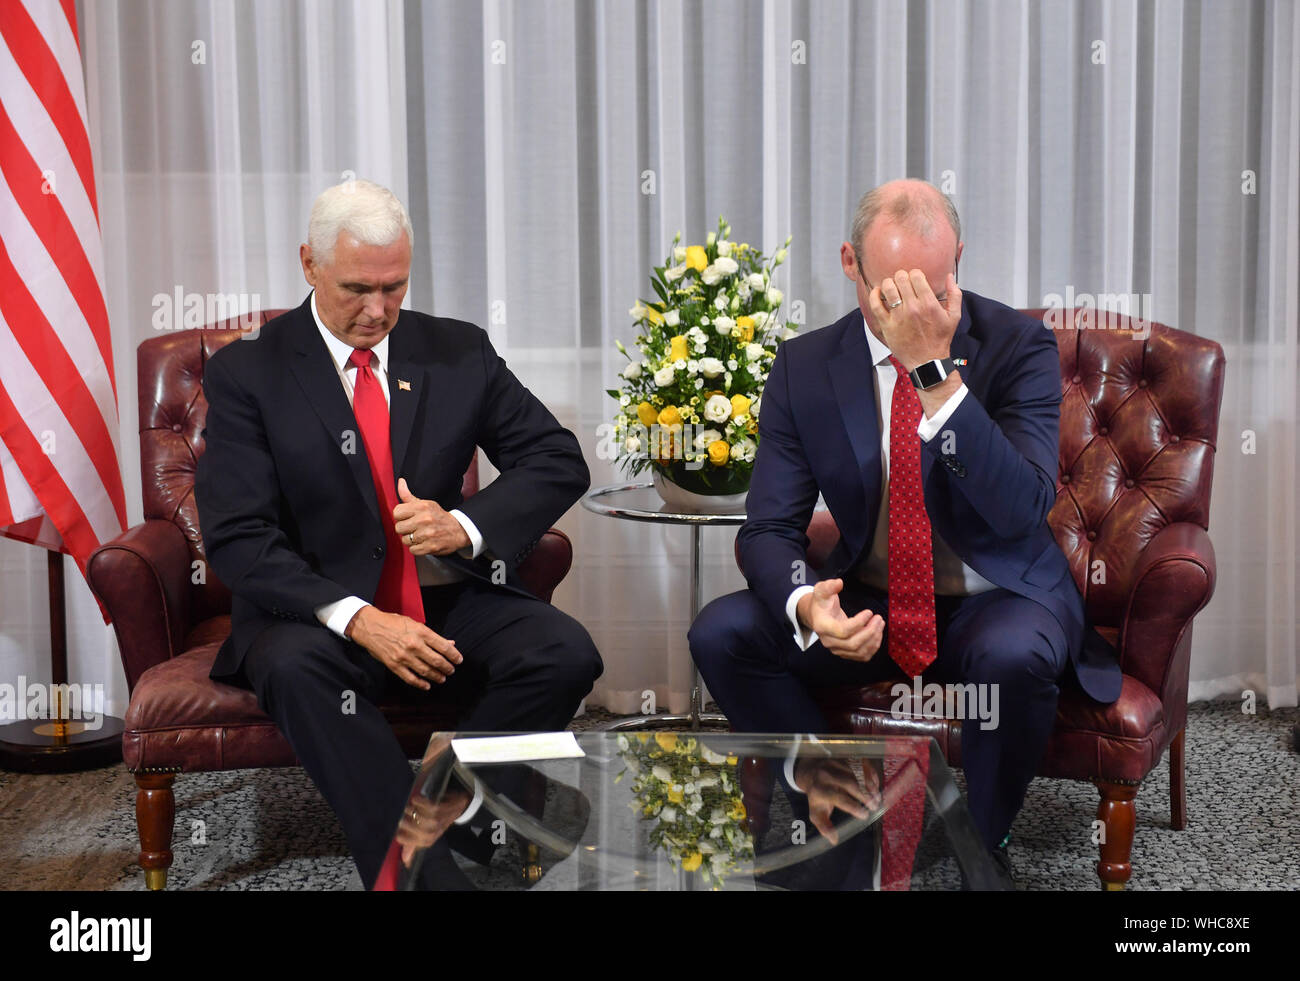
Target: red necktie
x=399 y=585
x=907 y=771
x=912 y=638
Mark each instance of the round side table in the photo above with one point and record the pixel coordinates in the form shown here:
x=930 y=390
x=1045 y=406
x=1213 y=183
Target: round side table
x=641 y=502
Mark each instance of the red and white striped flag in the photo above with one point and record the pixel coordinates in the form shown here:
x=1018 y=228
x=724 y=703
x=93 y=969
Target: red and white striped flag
x=60 y=480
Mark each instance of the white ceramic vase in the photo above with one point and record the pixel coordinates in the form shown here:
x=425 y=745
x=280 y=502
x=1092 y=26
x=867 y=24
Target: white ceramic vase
x=680 y=499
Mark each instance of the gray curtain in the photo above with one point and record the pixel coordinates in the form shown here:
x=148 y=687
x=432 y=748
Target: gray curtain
x=550 y=149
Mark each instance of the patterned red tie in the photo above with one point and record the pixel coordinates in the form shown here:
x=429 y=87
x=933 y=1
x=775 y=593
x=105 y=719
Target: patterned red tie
x=912 y=638
x=399 y=584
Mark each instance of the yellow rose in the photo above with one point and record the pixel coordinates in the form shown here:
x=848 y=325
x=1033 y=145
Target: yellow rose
x=670 y=418
x=737 y=810
x=677 y=350
x=696 y=257
x=675 y=796
x=692 y=862
x=746 y=325
x=648 y=416
x=739 y=405
x=654 y=316
x=668 y=740
x=719 y=452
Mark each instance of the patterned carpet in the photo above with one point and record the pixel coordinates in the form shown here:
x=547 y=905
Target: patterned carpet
x=270 y=829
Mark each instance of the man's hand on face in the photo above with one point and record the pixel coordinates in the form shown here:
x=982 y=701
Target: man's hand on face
x=405 y=647
x=831 y=784
x=920 y=327
x=856 y=638
x=426 y=529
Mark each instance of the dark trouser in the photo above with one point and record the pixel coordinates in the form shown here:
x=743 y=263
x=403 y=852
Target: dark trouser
x=527 y=663
x=764 y=683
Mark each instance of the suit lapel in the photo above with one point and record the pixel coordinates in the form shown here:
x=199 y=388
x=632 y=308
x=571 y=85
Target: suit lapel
x=406 y=386
x=854 y=380
x=313 y=368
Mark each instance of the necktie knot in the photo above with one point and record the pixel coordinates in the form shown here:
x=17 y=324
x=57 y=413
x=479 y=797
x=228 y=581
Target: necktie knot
x=360 y=357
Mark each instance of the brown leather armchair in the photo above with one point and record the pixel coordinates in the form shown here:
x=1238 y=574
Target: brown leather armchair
x=171 y=614
x=1139 y=423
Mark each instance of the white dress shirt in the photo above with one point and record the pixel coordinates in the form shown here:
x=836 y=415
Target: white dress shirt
x=431 y=570
x=952 y=577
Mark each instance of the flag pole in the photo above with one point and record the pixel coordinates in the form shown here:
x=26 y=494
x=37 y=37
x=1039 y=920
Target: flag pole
x=58 y=744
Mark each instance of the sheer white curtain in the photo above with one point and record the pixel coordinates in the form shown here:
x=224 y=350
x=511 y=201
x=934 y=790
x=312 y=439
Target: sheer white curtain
x=549 y=149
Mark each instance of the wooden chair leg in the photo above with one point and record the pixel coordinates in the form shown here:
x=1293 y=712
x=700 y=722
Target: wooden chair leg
x=155 y=816
x=1177 y=788
x=1118 y=815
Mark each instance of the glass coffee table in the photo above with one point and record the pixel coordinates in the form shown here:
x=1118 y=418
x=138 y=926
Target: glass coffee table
x=684 y=811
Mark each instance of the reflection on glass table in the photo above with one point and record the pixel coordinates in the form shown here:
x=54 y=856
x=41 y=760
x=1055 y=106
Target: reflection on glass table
x=690 y=811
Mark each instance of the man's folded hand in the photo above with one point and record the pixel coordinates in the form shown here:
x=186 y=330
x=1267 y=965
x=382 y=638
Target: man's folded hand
x=855 y=638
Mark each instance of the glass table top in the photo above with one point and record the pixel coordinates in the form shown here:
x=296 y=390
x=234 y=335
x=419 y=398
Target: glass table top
x=691 y=811
x=641 y=502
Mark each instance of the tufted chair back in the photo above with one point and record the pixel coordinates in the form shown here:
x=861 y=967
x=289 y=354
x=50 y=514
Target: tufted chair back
x=1139 y=424
x=173 y=411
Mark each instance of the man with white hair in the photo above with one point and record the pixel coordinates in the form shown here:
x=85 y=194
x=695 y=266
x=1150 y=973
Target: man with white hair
x=329 y=496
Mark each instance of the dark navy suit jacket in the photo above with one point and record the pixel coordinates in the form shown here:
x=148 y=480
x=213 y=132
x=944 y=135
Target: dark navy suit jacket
x=287 y=504
x=988 y=497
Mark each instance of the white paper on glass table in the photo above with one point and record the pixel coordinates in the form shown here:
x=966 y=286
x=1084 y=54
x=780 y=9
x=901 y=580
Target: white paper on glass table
x=513 y=749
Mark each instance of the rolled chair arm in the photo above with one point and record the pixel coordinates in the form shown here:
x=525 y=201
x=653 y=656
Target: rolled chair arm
x=547 y=564
x=143 y=579
x=1173 y=581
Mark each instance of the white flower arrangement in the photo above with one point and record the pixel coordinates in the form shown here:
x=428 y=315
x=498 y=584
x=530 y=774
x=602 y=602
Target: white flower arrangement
x=705 y=346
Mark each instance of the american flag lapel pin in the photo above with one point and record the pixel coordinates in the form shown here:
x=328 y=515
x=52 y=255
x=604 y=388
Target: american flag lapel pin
x=403 y=386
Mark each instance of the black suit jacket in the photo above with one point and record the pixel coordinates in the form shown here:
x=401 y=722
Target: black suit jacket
x=286 y=502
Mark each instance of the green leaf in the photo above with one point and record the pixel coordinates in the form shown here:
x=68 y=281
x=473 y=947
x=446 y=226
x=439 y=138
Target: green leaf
x=613 y=393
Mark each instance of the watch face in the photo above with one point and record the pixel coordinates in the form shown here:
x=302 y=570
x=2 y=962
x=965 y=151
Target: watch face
x=928 y=375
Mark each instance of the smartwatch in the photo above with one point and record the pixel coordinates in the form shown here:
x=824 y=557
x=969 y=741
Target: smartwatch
x=931 y=373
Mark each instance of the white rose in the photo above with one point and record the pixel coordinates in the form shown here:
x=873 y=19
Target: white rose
x=753 y=351
x=724 y=326
x=775 y=296
x=674 y=273
x=755 y=281
x=724 y=248
x=638 y=311
x=726 y=265
x=760 y=318
x=788 y=333
x=720 y=302
x=679 y=254
x=710 y=275
x=711 y=367
x=672 y=317
x=633 y=444
x=632 y=371
x=662 y=773
x=717 y=408
x=702 y=442
x=744 y=450
x=664 y=376
x=732 y=365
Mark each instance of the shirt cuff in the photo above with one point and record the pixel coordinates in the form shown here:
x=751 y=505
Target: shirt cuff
x=475 y=538
x=336 y=616
x=928 y=429
x=803 y=636
x=793 y=758
x=474 y=804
